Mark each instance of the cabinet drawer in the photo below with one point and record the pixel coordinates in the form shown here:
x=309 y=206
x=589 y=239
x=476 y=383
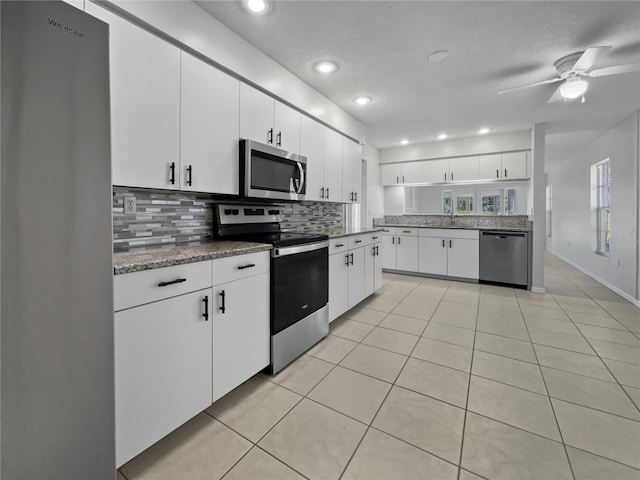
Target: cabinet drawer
x=357 y=241
x=374 y=237
x=411 y=232
x=138 y=288
x=388 y=231
x=337 y=245
x=241 y=266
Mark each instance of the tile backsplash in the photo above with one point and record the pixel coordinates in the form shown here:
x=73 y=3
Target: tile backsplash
x=166 y=218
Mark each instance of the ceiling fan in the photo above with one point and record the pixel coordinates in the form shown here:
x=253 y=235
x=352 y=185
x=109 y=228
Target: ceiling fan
x=572 y=71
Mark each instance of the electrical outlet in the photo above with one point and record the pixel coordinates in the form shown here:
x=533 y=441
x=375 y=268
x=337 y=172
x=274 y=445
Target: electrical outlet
x=129 y=205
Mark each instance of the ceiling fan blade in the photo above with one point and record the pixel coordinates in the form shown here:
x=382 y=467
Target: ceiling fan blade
x=552 y=80
x=589 y=57
x=556 y=97
x=615 y=70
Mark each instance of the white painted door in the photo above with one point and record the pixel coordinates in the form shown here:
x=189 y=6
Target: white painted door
x=351 y=172
x=338 y=285
x=209 y=128
x=145 y=105
x=490 y=167
x=286 y=126
x=333 y=166
x=312 y=146
x=391 y=174
x=514 y=165
x=162 y=369
x=463 y=258
x=435 y=171
x=356 y=276
x=241 y=338
x=407 y=253
x=433 y=255
x=412 y=172
x=464 y=169
x=256 y=115
x=388 y=247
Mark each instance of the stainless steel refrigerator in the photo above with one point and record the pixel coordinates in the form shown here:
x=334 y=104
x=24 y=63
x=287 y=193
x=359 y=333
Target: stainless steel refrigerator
x=56 y=311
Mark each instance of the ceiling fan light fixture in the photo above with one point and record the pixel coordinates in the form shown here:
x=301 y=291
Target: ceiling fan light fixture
x=573 y=88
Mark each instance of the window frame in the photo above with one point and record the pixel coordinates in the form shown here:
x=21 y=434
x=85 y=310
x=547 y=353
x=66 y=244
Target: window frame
x=601 y=206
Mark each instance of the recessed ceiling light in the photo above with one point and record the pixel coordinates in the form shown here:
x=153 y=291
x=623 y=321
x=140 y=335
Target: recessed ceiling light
x=257 y=7
x=363 y=100
x=483 y=131
x=442 y=136
x=404 y=141
x=438 y=55
x=326 y=67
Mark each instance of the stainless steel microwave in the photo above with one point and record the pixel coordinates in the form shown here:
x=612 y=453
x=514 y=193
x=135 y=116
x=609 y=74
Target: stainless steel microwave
x=269 y=172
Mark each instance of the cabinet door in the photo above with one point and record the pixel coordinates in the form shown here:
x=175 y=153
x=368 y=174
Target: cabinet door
x=377 y=269
x=209 y=128
x=433 y=255
x=351 y=172
x=464 y=169
x=312 y=146
x=412 y=172
x=333 y=166
x=407 y=254
x=256 y=115
x=370 y=269
x=162 y=369
x=241 y=337
x=514 y=165
x=388 y=255
x=338 y=285
x=391 y=174
x=356 y=276
x=490 y=167
x=435 y=171
x=463 y=258
x=286 y=126
x=145 y=105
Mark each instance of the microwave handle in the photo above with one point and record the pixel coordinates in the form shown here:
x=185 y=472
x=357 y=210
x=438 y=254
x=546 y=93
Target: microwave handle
x=301 y=170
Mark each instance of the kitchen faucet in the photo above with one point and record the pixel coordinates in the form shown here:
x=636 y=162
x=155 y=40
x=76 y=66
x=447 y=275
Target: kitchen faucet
x=453 y=217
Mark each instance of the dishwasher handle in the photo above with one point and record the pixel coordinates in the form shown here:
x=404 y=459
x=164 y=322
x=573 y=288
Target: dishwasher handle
x=504 y=235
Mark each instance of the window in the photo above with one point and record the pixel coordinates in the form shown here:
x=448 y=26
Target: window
x=600 y=196
x=446 y=202
x=410 y=199
x=464 y=203
x=510 y=201
x=490 y=203
x=549 y=205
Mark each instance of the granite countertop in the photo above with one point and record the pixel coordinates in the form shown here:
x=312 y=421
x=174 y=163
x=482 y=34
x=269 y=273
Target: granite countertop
x=157 y=257
x=347 y=232
x=456 y=227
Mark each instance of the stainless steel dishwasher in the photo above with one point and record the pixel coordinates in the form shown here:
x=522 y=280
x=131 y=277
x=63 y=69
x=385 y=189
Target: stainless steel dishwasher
x=504 y=257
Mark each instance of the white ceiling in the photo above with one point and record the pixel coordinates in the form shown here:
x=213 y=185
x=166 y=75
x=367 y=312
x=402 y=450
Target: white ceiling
x=382 y=49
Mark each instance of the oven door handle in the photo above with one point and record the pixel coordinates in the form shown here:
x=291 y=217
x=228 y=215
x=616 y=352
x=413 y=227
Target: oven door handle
x=301 y=185
x=282 y=251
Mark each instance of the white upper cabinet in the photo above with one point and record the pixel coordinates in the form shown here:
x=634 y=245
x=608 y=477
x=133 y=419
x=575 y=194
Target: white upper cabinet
x=268 y=121
x=401 y=173
x=286 y=128
x=312 y=143
x=351 y=172
x=256 y=115
x=464 y=169
x=434 y=171
x=209 y=128
x=333 y=166
x=491 y=167
x=515 y=165
x=145 y=105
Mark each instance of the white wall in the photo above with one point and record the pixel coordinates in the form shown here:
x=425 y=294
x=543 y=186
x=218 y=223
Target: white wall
x=537 y=200
x=375 y=196
x=190 y=25
x=504 y=142
x=572 y=228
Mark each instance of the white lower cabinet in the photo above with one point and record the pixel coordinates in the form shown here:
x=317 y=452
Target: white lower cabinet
x=162 y=369
x=407 y=253
x=388 y=236
x=240 y=331
x=451 y=252
x=355 y=271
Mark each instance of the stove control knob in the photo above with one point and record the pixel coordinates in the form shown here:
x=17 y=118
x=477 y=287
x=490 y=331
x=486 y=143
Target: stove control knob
x=236 y=211
x=227 y=211
x=274 y=212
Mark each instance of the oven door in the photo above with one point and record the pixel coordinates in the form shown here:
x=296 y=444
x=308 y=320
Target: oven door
x=299 y=283
x=268 y=172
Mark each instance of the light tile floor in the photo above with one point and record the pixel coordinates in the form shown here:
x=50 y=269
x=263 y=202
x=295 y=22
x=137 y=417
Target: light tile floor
x=432 y=379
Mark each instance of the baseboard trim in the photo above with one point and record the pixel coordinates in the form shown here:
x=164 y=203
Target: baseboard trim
x=623 y=294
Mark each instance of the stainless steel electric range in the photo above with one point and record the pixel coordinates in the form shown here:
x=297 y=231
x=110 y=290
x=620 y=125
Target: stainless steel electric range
x=299 y=277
